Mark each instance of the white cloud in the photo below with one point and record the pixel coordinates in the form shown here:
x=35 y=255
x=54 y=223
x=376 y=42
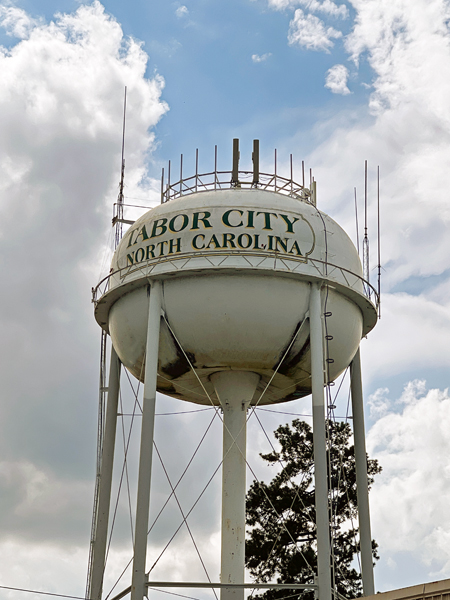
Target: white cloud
x=407 y=46
x=336 y=80
x=16 y=22
x=411 y=335
x=61 y=104
x=378 y=403
x=410 y=496
x=408 y=135
x=326 y=6
x=182 y=11
x=257 y=58
x=310 y=32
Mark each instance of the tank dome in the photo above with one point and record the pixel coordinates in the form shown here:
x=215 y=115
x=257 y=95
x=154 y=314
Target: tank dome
x=236 y=266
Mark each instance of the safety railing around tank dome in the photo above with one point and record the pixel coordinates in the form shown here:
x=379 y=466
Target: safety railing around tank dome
x=324 y=271
x=219 y=180
x=236 y=178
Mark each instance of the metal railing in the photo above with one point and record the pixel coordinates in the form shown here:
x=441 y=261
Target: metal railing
x=219 y=180
x=324 y=270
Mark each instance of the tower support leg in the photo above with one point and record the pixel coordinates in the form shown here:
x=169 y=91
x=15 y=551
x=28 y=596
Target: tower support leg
x=104 y=495
x=362 y=485
x=319 y=439
x=138 y=589
x=235 y=390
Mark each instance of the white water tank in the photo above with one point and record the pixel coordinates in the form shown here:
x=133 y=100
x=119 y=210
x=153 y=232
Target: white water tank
x=236 y=267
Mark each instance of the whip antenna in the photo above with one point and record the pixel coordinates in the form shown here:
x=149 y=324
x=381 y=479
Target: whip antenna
x=119 y=215
x=378 y=234
x=366 y=271
x=357 y=226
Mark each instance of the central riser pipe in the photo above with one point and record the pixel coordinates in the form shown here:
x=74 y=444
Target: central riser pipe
x=235 y=390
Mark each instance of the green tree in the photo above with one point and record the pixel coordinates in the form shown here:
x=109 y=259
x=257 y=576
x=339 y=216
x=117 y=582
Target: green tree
x=281 y=541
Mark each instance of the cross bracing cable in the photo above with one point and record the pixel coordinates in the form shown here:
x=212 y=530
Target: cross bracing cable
x=210 y=398
x=168 y=499
x=296 y=495
x=187 y=515
x=116 y=506
x=16 y=589
x=283 y=412
x=184 y=518
x=171 y=593
x=124 y=466
x=229 y=433
x=126 y=470
x=136 y=392
x=182 y=475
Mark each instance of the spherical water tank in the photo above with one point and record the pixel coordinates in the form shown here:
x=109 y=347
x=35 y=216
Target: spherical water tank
x=236 y=267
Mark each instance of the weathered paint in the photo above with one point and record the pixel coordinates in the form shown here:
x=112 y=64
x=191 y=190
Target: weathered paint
x=236 y=267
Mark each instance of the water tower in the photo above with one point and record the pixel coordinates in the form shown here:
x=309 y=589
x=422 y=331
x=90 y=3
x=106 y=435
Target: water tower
x=235 y=291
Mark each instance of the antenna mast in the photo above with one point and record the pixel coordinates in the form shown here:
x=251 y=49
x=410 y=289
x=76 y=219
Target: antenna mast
x=366 y=271
x=357 y=226
x=378 y=235
x=119 y=216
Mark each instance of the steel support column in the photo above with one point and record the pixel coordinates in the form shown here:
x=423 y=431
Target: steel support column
x=235 y=390
x=106 y=472
x=319 y=438
x=362 y=485
x=138 y=589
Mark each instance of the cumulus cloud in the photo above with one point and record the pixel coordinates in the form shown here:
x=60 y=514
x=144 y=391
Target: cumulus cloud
x=310 y=32
x=379 y=403
x=16 y=22
x=412 y=324
x=408 y=135
x=336 y=80
x=257 y=58
x=410 y=496
x=61 y=104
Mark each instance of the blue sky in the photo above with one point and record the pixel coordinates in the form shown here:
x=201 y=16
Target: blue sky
x=332 y=83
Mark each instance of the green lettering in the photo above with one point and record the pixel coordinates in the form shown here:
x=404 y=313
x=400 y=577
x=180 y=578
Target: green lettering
x=250 y=215
x=149 y=251
x=228 y=239
x=196 y=218
x=267 y=216
x=240 y=241
x=130 y=259
x=159 y=224
x=214 y=241
x=256 y=244
x=194 y=241
x=143 y=234
x=295 y=247
x=184 y=224
x=131 y=237
x=283 y=244
x=289 y=225
x=161 y=245
x=226 y=217
x=270 y=238
x=172 y=242
x=139 y=255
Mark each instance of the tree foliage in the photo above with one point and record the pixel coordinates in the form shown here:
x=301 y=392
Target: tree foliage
x=281 y=542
